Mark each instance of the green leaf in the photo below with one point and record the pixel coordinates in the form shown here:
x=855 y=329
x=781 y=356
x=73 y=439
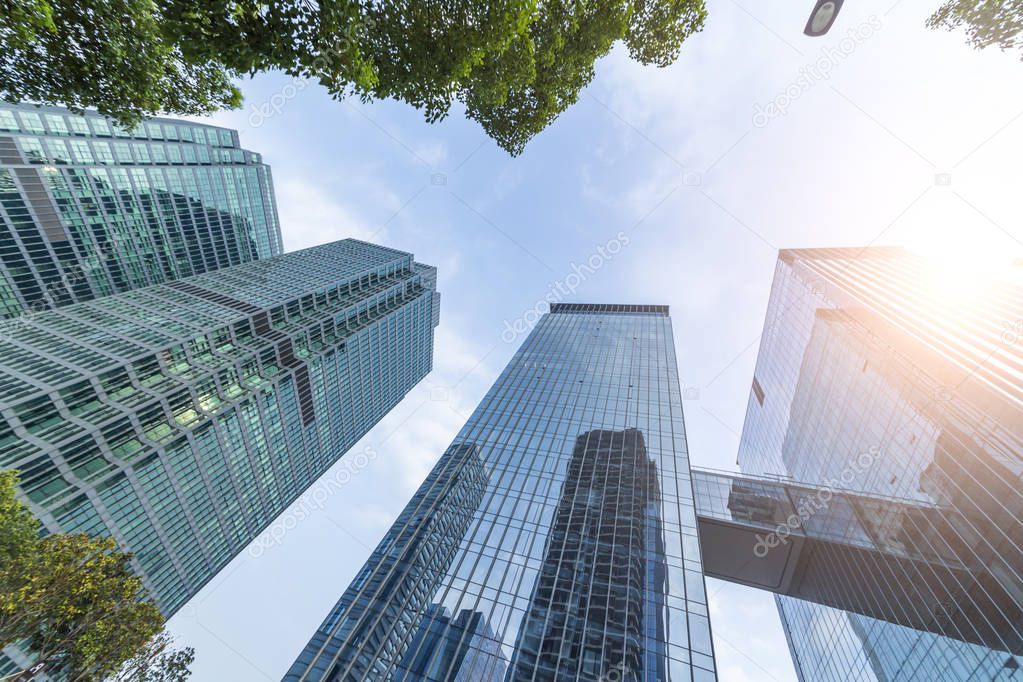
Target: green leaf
x=73 y=598
x=515 y=64
x=986 y=22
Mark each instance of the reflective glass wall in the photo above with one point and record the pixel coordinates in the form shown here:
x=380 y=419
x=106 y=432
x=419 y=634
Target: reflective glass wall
x=882 y=374
x=88 y=208
x=556 y=537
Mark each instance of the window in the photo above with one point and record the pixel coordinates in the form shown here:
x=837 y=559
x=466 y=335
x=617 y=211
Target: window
x=81 y=151
x=103 y=153
x=123 y=152
x=100 y=127
x=33 y=150
x=31 y=122
x=57 y=124
x=78 y=126
x=58 y=151
x=141 y=153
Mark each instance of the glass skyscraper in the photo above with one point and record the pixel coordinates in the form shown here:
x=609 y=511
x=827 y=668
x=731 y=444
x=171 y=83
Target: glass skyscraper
x=88 y=209
x=390 y=599
x=875 y=351
x=181 y=418
x=556 y=538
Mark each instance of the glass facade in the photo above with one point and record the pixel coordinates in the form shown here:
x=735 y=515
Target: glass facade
x=464 y=645
x=900 y=561
x=181 y=418
x=88 y=209
x=554 y=540
x=882 y=375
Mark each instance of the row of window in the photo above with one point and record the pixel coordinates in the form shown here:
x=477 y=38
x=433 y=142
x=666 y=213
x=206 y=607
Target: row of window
x=49 y=150
x=20 y=120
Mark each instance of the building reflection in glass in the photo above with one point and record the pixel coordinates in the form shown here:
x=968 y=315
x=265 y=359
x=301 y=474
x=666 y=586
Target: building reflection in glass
x=366 y=634
x=598 y=606
x=458 y=649
x=581 y=561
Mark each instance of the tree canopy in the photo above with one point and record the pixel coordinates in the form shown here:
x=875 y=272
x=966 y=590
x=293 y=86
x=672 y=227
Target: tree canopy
x=17 y=525
x=986 y=22
x=158 y=662
x=108 y=54
x=515 y=64
x=74 y=602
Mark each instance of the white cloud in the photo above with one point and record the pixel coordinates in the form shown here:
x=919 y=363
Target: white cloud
x=310 y=217
x=432 y=152
x=449 y=396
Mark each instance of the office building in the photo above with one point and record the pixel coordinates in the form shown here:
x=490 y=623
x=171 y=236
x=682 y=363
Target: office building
x=881 y=375
x=89 y=209
x=182 y=417
x=576 y=556
x=388 y=604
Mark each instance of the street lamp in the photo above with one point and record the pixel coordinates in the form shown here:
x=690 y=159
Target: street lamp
x=822 y=17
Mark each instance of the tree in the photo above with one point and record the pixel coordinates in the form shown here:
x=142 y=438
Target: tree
x=108 y=54
x=158 y=663
x=554 y=60
x=73 y=600
x=17 y=525
x=987 y=22
x=515 y=64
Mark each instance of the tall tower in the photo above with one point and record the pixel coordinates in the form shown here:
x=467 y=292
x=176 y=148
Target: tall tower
x=876 y=351
x=88 y=209
x=181 y=418
x=389 y=600
x=578 y=559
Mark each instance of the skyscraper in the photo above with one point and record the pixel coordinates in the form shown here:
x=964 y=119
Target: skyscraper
x=390 y=599
x=88 y=209
x=874 y=350
x=181 y=418
x=579 y=551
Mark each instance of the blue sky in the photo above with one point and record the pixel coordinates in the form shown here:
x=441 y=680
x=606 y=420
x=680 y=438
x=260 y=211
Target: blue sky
x=758 y=138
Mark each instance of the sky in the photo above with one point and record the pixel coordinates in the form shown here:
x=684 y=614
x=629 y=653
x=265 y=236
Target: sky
x=757 y=138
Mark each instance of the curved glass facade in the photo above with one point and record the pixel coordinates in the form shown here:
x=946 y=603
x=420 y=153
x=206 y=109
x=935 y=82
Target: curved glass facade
x=89 y=209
